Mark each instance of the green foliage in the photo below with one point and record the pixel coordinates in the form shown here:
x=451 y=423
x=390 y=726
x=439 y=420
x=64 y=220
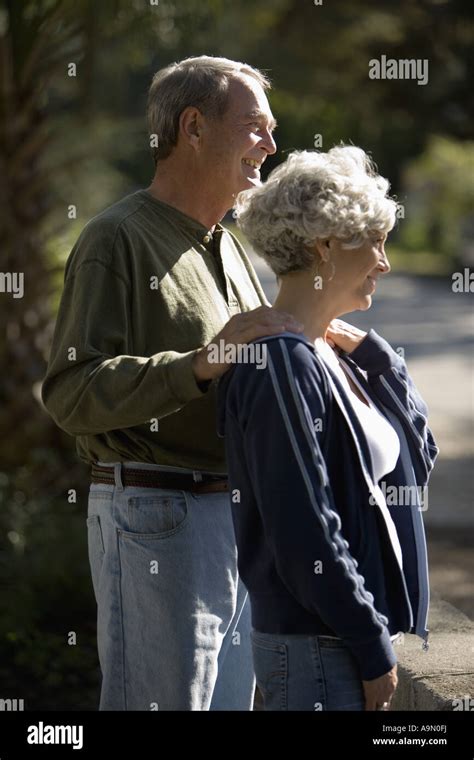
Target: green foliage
x=46 y=594
x=440 y=195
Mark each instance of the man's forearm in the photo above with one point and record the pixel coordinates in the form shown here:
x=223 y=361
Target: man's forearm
x=98 y=396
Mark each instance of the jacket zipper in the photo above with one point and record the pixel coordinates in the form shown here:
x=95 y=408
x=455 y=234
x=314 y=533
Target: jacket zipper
x=420 y=542
x=371 y=487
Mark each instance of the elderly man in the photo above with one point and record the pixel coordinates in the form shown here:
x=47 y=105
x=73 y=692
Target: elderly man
x=151 y=285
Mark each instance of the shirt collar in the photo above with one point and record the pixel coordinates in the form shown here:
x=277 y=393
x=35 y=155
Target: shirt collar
x=191 y=225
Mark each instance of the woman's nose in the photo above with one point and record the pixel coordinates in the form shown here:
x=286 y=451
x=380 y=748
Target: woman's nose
x=384 y=264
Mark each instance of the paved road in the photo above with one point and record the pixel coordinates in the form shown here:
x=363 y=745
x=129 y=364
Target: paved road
x=435 y=328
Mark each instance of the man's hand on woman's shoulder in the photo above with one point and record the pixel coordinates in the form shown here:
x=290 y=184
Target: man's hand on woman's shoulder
x=243 y=328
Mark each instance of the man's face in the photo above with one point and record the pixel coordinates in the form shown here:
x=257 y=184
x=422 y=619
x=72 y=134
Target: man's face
x=235 y=146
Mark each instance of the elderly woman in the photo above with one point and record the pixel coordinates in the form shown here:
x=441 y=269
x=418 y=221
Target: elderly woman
x=314 y=440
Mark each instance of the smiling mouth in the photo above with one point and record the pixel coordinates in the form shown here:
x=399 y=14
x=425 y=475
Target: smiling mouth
x=251 y=162
x=372 y=281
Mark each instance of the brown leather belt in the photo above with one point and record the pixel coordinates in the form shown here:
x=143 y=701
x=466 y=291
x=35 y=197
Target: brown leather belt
x=138 y=478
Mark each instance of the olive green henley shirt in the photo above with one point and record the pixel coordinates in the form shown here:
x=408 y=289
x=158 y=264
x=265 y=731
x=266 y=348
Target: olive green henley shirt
x=145 y=287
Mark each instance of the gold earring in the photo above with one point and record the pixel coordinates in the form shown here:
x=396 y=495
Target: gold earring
x=333 y=271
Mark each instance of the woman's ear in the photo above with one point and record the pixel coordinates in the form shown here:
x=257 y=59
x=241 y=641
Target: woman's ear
x=321 y=248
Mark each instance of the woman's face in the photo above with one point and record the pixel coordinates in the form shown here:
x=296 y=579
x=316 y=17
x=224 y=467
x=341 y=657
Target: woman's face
x=357 y=271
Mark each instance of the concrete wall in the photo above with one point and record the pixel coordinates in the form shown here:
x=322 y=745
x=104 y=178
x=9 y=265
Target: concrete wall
x=443 y=677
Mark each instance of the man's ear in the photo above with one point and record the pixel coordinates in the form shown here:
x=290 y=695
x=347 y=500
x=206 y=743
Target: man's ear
x=190 y=126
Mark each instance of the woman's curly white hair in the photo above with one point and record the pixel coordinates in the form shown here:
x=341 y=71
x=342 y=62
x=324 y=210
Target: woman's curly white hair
x=315 y=196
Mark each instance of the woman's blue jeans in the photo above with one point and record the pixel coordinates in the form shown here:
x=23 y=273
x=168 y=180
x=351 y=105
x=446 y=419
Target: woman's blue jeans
x=305 y=672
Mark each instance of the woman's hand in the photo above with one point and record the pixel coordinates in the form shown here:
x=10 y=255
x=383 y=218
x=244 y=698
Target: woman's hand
x=341 y=334
x=379 y=692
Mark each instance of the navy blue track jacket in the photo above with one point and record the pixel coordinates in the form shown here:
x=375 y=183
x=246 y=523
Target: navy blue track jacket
x=313 y=548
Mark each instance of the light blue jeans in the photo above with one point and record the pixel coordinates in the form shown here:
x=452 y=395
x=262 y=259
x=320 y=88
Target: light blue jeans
x=173 y=623
x=305 y=672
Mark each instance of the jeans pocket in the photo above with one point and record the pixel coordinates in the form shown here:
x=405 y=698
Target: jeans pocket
x=343 y=683
x=160 y=515
x=96 y=548
x=271 y=670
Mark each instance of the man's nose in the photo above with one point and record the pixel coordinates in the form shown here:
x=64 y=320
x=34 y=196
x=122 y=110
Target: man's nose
x=269 y=143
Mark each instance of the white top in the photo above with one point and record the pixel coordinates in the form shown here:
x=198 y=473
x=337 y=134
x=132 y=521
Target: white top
x=383 y=441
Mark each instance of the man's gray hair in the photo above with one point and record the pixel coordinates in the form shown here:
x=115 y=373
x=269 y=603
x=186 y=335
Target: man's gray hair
x=202 y=82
